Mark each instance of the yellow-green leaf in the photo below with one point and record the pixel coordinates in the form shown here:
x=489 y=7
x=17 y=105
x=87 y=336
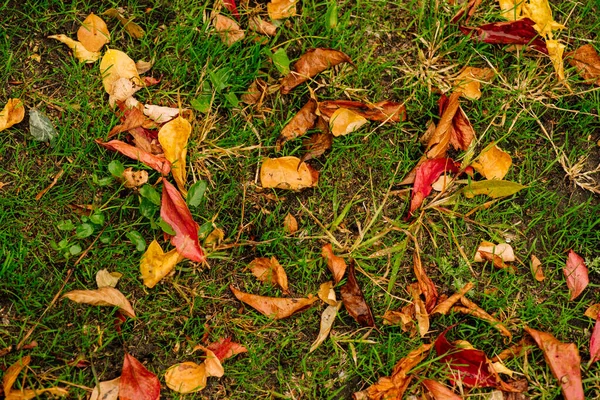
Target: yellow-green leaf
x=492 y=188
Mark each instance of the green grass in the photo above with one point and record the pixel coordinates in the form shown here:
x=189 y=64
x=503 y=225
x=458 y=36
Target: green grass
x=385 y=40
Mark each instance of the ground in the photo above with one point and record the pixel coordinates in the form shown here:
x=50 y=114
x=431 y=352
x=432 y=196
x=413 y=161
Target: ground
x=402 y=51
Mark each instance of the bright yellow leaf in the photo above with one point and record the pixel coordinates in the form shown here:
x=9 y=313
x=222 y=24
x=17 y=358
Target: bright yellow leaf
x=156 y=264
x=13 y=113
x=116 y=65
x=344 y=121
x=173 y=137
x=511 y=9
x=555 y=52
x=79 y=50
x=493 y=163
x=539 y=11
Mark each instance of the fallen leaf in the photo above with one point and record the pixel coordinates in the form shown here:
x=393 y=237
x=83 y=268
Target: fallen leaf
x=316 y=145
x=107 y=390
x=511 y=9
x=105 y=296
x=131 y=118
x=224 y=348
x=520 y=32
x=93 y=33
x=160 y=114
x=155 y=264
x=13 y=113
x=516 y=350
x=327 y=294
x=280 y=9
x=394 y=386
x=173 y=137
x=564 y=362
x=269 y=270
x=133 y=179
x=79 y=51
x=420 y=310
x=593 y=311
x=290 y=225
x=494 y=188
x=123 y=90
x=214 y=238
x=474 y=310
x=116 y=65
x=287 y=173
x=354 y=300
x=143 y=66
x=335 y=264
x=454 y=128
x=159 y=164
x=256 y=92
x=445 y=306
x=261 y=26
x=40 y=126
x=539 y=11
x=186 y=377
x=232 y=7
x=299 y=124
x=311 y=63
x=493 y=162
x=274 y=307
x=405 y=318
x=131 y=27
x=502 y=250
x=384 y=111
x=439 y=391
x=469 y=9
x=426 y=174
x=468 y=82
x=495 y=260
x=344 y=121
x=327 y=320
x=175 y=212
x=576 y=274
x=555 y=52
x=137 y=383
x=536 y=269
x=107 y=279
x=595 y=343
x=229 y=31
x=10 y=376
x=587 y=62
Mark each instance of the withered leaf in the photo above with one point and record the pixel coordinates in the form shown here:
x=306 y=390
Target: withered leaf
x=107 y=279
x=131 y=27
x=255 y=93
x=426 y=285
x=344 y=121
x=155 y=264
x=439 y=391
x=502 y=250
x=269 y=270
x=468 y=82
x=473 y=309
x=540 y=12
x=10 y=377
x=316 y=145
x=186 y=377
x=107 y=390
x=105 y=296
x=327 y=294
x=493 y=162
x=426 y=174
x=536 y=269
x=290 y=224
x=313 y=62
x=116 y=65
x=521 y=32
x=133 y=179
x=354 y=300
x=261 y=26
x=445 y=306
x=173 y=137
x=224 y=348
x=287 y=173
x=79 y=51
x=420 y=310
x=93 y=33
x=299 y=124
x=327 y=320
x=336 y=264
x=280 y=9
x=587 y=62
x=229 y=31
x=274 y=307
x=383 y=111
x=160 y=164
x=13 y=113
x=555 y=52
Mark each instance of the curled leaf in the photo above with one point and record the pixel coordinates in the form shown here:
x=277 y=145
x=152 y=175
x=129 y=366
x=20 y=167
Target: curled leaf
x=229 y=31
x=274 y=307
x=327 y=294
x=261 y=26
x=137 y=383
x=536 y=269
x=159 y=164
x=269 y=270
x=116 y=65
x=93 y=33
x=300 y=123
x=313 y=62
x=383 y=111
x=427 y=173
x=587 y=61
x=576 y=274
x=445 y=306
x=354 y=300
x=10 y=376
x=13 y=113
x=336 y=264
x=173 y=137
x=502 y=250
x=555 y=52
x=439 y=391
x=327 y=320
x=160 y=114
x=105 y=296
x=79 y=51
x=156 y=264
x=287 y=173
x=521 y=32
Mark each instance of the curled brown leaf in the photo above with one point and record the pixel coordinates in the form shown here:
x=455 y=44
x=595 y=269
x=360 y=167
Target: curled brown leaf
x=313 y=62
x=354 y=300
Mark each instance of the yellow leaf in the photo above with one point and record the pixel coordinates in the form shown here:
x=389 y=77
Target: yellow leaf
x=79 y=51
x=105 y=296
x=539 y=11
x=344 y=121
x=109 y=390
x=116 y=65
x=107 y=279
x=469 y=80
x=493 y=162
x=156 y=264
x=173 y=137
x=555 y=52
x=511 y=9
x=214 y=238
x=10 y=376
x=287 y=173
x=280 y=9
x=93 y=33
x=187 y=377
x=13 y=113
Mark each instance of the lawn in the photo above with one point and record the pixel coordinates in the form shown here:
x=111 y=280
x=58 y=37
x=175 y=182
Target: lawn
x=64 y=216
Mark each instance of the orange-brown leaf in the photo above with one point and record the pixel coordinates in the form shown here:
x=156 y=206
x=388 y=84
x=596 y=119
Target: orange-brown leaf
x=106 y=296
x=255 y=93
x=299 y=124
x=229 y=31
x=274 y=307
x=313 y=62
x=493 y=162
x=280 y=9
x=384 y=111
x=287 y=173
x=439 y=391
x=587 y=61
x=446 y=305
x=12 y=114
x=93 y=33
x=468 y=82
x=336 y=264
x=536 y=269
x=269 y=271
x=426 y=285
x=290 y=224
x=354 y=300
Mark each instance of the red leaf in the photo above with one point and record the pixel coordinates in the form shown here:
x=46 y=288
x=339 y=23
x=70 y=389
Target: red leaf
x=426 y=174
x=595 y=342
x=230 y=5
x=137 y=383
x=354 y=300
x=225 y=348
x=576 y=273
x=469 y=8
x=564 y=362
x=439 y=391
x=513 y=32
x=387 y=111
x=177 y=214
x=159 y=164
x=151 y=81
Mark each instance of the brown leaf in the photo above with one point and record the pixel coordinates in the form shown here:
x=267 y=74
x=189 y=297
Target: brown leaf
x=426 y=285
x=137 y=383
x=256 y=92
x=495 y=260
x=316 y=145
x=93 y=33
x=280 y=9
x=420 y=310
x=106 y=296
x=229 y=31
x=593 y=311
x=354 y=300
x=439 y=391
x=536 y=269
x=576 y=273
x=261 y=26
x=468 y=82
x=440 y=140
x=287 y=173
x=133 y=179
x=336 y=264
x=12 y=114
x=493 y=162
x=473 y=309
x=131 y=118
x=384 y=111
x=299 y=124
x=269 y=271
x=107 y=279
x=564 y=362
x=290 y=224
x=10 y=376
x=516 y=350
x=131 y=27
x=405 y=318
x=587 y=62
x=327 y=320
x=274 y=307
x=143 y=66
x=107 y=390
x=313 y=62
x=446 y=305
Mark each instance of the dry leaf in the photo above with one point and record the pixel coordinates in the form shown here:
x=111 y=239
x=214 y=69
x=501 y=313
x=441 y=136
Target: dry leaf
x=476 y=311
x=160 y=114
x=586 y=60
x=187 y=377
x=299 y=124
x=156 y=264
x=106 y=296
x=536 y=269
x=354 y=300
x=439 y=391
x=593 y=311
x=280 y=9
x=595 y=343
x=327 y=294
x=316 y=145
x=344 y=121
x=93 y=33
x=440 y=140
x=327 y=320
x=420 y=309
x=274 y=307
x=446 y=305
x=173 y=137
x=10 y=377
x=224 y=348
x=313 y=62
x=123 y=90
x=214 y=238
x=107 y=279
x=503 y=250
x=555 y=52
x=256 y=92
x=133 y=179
x=79 y=51
x=287 y=173
x=143 y=66
x=576 y=274
x=270 y=271
x=160 y=164
x=229 y=31
x=261 y=26
x=405 y=318
x=336 y=264
x=539 y=11
x=131 y=27
x=511 y=9
x=493 y=162
x=383 y=111
x=426 y=285
x=468 y=82
x=13 y=113
x=116 y=65
x=137 y=383
x=290 y=225
x=107 y=390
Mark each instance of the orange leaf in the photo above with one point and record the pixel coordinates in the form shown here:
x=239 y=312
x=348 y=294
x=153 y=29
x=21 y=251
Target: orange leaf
x=439 y=391
x=384 y=111
x=269 y=270
x=576 y=273
x=93 y=33
x=446 y=305
x=468 y=82
x=287 y=173
x=137 y=383
x=280 y=9
x=290 y=224
x=536 y=269
x=586 y=60
x=229 y=31
x=426 y=285
x=493 y=162
x=336 y=264
x=313 y=62
x=186 y=377
x=344 y=121
x=440 y=140
x=593 y=311
x=274 y=307
x=79 y=51
x=159 y=164
x=10 y=376
x=12 y=114
x=106 y=296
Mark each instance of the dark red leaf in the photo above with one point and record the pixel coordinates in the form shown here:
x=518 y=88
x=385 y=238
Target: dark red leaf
x=387 y=111
x=512 y=32
x=427 y=173
x=354 y=300
x=176 y=213
x=137 y=383
x=230 y=5
x=159 y=164
x=225 y=348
